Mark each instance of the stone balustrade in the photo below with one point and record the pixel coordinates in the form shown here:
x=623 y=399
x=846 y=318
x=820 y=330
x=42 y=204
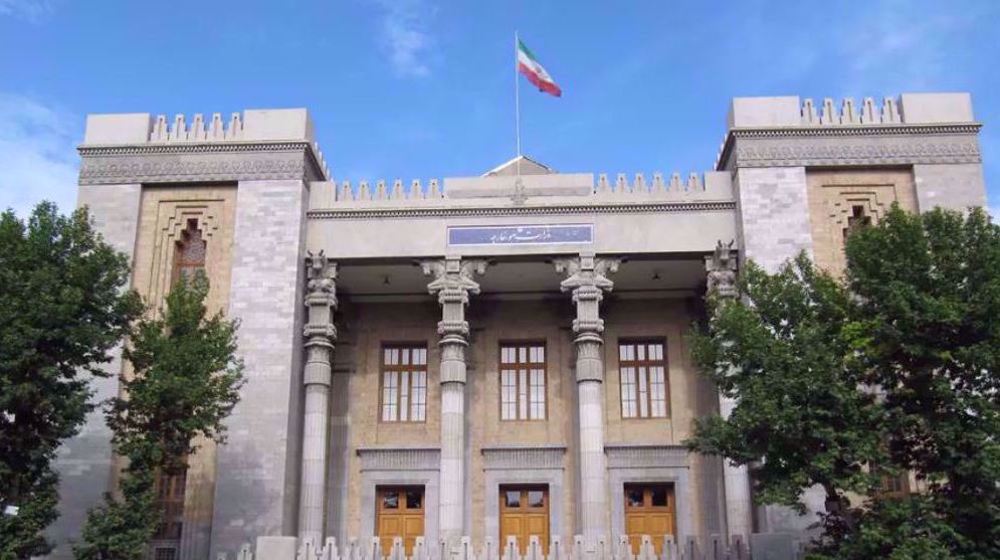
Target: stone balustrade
x=582 y=548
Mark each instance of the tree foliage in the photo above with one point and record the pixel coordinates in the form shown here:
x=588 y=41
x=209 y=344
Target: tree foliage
x=185 y=382
x=63 y=307
x=893 y=368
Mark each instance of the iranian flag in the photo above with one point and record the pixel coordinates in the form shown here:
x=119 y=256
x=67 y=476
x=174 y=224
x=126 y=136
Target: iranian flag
x=528 y=65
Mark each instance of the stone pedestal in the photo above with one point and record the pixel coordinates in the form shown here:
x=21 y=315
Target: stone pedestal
x=320 y=333
x=453 y=283
x=586 y=279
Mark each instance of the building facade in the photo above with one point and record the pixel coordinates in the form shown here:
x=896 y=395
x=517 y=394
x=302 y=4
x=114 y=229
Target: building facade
x=490 y=356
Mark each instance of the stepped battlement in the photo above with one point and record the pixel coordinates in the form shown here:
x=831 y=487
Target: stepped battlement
x=251 y=127
x=906 y=109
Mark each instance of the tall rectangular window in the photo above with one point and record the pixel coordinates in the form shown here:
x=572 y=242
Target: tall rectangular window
x=643 y=373
x=522 y=381
x=404 y=383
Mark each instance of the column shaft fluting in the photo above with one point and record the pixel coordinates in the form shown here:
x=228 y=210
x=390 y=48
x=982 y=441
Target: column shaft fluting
x=587 y=281
x=721 y=268
x=453 y=283
x=321 y=301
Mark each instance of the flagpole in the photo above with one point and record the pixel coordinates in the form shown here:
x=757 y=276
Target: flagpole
x=517 y=105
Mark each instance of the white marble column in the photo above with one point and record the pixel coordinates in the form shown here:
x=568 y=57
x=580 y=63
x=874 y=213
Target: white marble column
x=453 y=283
x=586 y=278
x=721 y=268
x=320 y=333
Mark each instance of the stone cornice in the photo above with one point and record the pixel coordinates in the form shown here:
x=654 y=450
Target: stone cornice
x=869 y=130
x=445 y=211
x=871 y=145
x=87 y=150
x=198 y=162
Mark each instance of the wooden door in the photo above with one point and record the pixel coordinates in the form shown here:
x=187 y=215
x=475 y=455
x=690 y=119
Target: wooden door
x=650 y=509
x=400 y=513
x=524 y=512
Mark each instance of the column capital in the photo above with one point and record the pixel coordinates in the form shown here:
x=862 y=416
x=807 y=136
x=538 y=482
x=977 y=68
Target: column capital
x=453 y=277
x=721 y=269
x=453 y=282
x=587 y=279
x=319 y=330
x=321 y=288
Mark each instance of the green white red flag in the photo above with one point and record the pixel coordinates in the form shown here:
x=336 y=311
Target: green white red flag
x=528 y=65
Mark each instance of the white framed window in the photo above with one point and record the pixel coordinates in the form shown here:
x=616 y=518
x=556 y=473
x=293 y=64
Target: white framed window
x=522 y=381
x=643 y=374
x=404 y=383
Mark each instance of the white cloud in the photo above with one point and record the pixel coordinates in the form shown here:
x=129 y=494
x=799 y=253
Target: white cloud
x=902 y=44
x=38 y=159
x=30 y=10
x=405 y=37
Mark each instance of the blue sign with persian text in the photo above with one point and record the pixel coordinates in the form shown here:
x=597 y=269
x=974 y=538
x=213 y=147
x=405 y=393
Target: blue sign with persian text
x=521 y=235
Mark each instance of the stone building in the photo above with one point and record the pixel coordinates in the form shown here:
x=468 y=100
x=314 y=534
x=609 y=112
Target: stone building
x=491 y=356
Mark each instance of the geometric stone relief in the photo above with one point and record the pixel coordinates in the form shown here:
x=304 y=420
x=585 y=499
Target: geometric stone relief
x=542 y=457
x=193 y=163
x=172 y=219
x=399 y=459
x=841 y=202
x=902 y=146
x=639 y=456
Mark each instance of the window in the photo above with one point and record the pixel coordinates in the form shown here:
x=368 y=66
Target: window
x=643 y=372
x=170 y=501
x=189 y=253
x=404 y=383
x=522 y=381
x=858 y=220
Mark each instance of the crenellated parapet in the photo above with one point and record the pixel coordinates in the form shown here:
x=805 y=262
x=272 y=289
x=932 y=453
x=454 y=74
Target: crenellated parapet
x=524 y=193
x=258 y=144
x=869 y=112
x=913 y=128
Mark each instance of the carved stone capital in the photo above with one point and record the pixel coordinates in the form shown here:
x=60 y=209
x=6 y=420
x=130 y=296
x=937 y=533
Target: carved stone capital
x=721 y=269
x=586 y=271
x=587 y=279
x=453 y=282
x=319 y=330
x=321 y=288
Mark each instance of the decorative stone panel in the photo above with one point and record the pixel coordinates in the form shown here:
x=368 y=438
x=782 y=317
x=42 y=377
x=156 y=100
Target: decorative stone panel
x=184 y=163
x=853 y=146
x=399 y=459
x=834 y=194
x=639 y=456
x=541 y=457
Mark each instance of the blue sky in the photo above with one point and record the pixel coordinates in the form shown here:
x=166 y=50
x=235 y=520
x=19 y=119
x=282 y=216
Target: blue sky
x=423 y=88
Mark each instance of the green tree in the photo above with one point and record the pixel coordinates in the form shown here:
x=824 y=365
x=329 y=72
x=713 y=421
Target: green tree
x=893 y=369
x=802 y=418
x=63 y=307
x=186 y=382
x=928 y=330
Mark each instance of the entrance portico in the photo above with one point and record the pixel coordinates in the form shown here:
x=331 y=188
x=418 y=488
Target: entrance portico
x=535 y=264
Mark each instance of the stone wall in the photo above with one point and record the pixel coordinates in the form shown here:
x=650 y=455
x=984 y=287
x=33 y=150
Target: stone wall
x=773 y=209
x=84 y=463
x=256 y=490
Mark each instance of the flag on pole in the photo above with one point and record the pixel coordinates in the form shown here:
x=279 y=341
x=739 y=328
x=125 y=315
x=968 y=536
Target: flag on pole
x=528 y=65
